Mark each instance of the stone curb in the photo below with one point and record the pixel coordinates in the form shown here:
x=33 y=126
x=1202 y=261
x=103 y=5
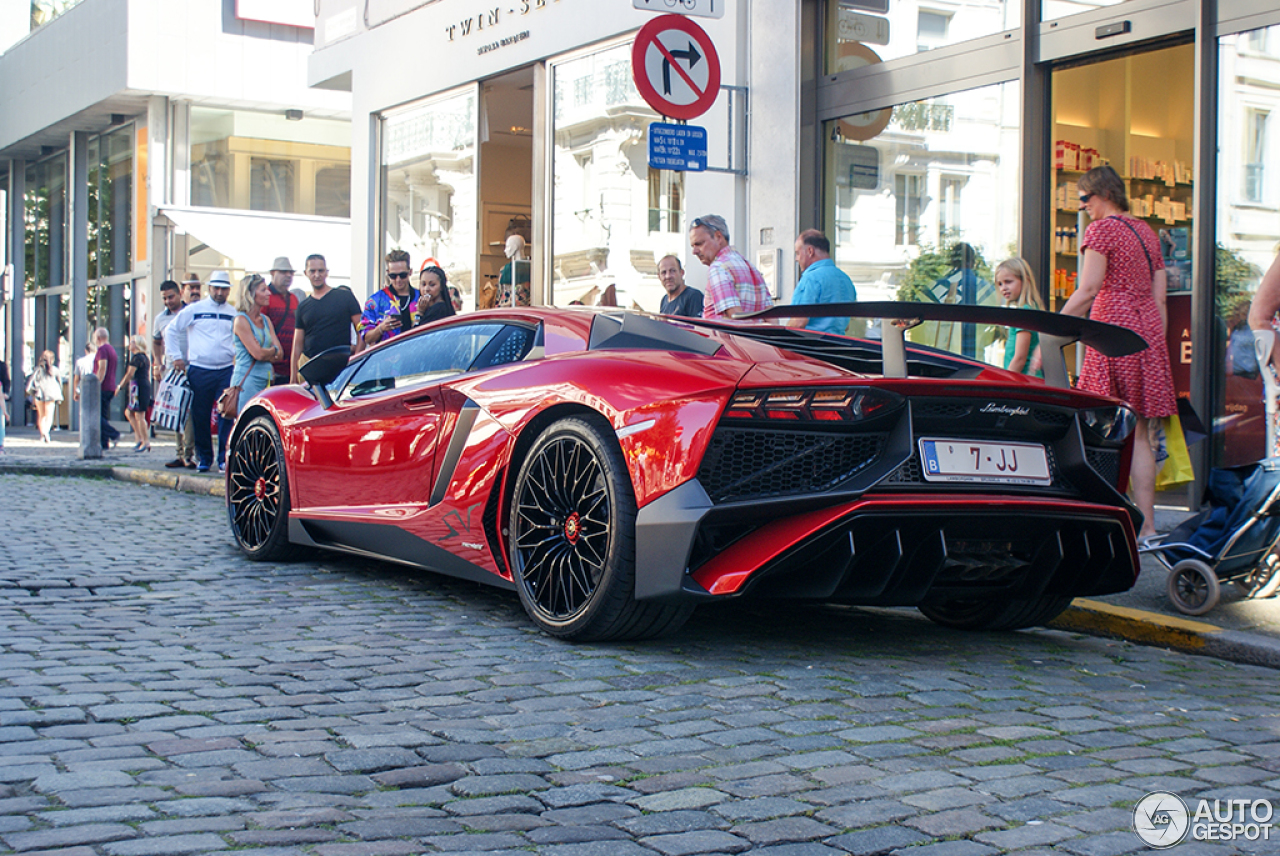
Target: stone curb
x=205 y=486
x=182 y=482
x=1166 y=631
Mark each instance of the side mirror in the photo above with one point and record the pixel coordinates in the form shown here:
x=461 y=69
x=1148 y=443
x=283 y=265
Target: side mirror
x=321 y=370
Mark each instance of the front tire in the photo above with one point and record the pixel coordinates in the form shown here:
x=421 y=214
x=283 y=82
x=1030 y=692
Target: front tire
x=999 y=614
x=258 y=492
x=573 y=539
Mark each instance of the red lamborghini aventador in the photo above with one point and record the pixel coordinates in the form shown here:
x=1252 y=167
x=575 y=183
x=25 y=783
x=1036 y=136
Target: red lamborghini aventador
x=616 y=469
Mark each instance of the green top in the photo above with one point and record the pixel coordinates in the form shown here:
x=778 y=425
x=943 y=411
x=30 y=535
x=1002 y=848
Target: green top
x=1011 y=343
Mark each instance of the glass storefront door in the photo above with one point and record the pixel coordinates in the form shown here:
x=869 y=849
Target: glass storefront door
x=926 y=208
x=1137 y=114
x=429 y=185
x=1247 y=237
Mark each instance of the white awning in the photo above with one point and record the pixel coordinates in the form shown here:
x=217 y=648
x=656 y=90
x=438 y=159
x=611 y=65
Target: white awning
x=253 y=239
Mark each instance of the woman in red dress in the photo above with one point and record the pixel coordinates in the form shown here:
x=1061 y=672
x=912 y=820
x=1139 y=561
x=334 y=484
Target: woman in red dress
x=1122 y=282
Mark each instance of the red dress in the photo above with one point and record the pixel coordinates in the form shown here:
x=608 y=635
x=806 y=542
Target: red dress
x=1143 y=380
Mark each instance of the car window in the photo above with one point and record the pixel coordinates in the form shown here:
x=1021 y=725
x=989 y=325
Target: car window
x=426 y=357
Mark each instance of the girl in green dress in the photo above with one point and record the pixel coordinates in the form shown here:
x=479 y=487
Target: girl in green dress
x=1017 y=285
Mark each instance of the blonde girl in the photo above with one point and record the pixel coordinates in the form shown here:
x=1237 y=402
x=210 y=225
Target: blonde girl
x=1017 y=285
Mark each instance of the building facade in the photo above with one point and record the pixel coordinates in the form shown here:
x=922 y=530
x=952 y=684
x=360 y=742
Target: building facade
x=146 y=140
x=930 y=139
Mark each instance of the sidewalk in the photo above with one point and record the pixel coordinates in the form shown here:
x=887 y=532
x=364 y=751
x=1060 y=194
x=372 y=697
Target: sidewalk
x=1238 y=629
x=24 y=453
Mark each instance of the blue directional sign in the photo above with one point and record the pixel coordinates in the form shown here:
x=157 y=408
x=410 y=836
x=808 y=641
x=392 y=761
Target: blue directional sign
x=678 y=147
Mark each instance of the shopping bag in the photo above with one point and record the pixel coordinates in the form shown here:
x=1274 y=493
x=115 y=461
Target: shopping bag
x=172 y=402
x=1173 y=462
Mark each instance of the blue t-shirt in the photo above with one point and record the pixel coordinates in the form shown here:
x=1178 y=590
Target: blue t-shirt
x=823 y=282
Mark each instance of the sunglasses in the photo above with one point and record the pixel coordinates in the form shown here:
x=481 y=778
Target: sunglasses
x=1085 y=197
x=404 y=274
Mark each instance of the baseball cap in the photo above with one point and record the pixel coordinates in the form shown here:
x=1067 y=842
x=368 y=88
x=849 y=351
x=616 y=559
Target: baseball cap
x=282 y=263
x=220 y=279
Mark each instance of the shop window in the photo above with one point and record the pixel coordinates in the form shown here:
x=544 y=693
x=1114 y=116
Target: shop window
x=253 y=161
x=859 y=31
x=1255 y=140
x=1247 y=240
x=926 y=209
x=429 y=184
x=46 y=223
x=612 y=217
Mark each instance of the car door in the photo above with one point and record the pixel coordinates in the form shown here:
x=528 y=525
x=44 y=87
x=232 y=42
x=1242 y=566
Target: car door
x=374 y=450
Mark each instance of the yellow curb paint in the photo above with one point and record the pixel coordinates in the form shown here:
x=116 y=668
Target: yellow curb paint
x=1135 y=625
x=1143 y=615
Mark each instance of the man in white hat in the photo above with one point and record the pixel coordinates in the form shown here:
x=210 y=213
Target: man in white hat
x=283 y=312
x=202 y=341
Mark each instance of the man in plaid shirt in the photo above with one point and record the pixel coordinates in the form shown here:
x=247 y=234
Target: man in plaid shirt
x=734 y=286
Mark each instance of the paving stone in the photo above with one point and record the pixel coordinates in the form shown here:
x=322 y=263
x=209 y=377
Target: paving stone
x=165 y=845
x=82 y=834
x=784 y=829
x=685 y=798
x=1030 y=835
x=880 y=839
x=948 y=848
x=698 y=842
x=949 y=824
x=420 y=776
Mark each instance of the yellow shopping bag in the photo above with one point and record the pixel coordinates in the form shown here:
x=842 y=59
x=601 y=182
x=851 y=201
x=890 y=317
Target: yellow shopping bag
x=1173 y=462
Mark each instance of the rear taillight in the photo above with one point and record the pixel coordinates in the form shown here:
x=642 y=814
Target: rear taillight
x=812 y=405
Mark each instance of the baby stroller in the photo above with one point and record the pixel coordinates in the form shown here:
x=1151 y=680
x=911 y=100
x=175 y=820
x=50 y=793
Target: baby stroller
x=1235 y=540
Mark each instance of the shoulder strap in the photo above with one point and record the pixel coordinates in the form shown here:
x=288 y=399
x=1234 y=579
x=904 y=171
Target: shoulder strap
x=1151 y=268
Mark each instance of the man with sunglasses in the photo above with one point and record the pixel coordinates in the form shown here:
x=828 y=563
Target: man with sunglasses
x=325 y=318
x=734 y=286
x=391 y=309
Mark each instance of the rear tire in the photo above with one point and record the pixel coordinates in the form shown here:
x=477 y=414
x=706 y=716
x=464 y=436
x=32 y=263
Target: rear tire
x=573 y=539
x=258 y=492
x=1193 y=587
x=996 y=614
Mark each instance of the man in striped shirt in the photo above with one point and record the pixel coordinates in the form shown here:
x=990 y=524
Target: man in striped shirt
x=734 y=286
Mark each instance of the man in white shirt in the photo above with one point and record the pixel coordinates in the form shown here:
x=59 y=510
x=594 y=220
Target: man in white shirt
x=202 y=347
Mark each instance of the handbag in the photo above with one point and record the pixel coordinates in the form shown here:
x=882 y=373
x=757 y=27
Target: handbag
x=229 y=402
x=172 y=401
x=1173 y=461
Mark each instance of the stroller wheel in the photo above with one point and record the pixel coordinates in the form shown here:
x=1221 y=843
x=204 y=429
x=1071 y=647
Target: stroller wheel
x=1193 y=587
x=1262 y=581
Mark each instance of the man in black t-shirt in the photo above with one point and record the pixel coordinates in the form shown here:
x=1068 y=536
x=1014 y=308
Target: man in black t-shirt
x=680 y=298
x=325 y=319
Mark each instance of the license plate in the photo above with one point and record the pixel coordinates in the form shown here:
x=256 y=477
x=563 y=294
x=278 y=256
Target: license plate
x=984 y=462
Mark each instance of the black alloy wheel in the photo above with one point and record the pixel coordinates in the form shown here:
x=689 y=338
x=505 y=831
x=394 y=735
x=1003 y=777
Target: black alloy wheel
x=258 y=492
x=572 y=531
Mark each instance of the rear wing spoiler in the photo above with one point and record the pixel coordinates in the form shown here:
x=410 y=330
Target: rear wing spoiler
x=1056 y=331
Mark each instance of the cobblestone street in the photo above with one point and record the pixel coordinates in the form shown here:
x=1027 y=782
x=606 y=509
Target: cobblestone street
x=161 y=695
